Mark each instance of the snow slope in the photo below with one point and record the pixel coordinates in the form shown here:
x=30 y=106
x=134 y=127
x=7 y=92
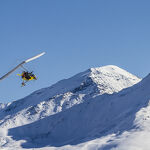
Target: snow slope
x=65 y=94
x=52 y=117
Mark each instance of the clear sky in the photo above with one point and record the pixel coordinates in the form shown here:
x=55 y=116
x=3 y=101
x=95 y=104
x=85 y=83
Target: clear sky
x=75 y=34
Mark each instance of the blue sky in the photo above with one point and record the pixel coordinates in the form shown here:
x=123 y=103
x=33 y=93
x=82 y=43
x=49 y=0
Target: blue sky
x=75 y=34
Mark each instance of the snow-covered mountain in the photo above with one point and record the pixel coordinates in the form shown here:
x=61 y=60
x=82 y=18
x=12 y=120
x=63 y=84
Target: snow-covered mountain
x=75 y=110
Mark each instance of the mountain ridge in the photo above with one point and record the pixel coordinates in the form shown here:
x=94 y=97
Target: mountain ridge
x=88 y=123
x=65 y=94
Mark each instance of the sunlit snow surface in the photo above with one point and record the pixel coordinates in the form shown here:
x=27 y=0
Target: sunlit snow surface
x=81 y=113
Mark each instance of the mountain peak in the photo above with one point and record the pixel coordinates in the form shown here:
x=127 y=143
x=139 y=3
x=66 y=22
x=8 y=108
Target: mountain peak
x=111 y=69
x=110 y=79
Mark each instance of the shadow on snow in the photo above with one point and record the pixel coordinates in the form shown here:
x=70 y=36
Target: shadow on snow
x=100 y=116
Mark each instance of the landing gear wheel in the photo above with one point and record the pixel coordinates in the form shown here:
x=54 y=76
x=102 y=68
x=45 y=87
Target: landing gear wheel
x=23 y=84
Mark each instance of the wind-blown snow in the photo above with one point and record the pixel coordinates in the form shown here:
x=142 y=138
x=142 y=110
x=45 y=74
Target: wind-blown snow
x=79 y=112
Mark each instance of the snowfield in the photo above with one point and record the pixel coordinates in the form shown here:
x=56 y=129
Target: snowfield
x=103 y=108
